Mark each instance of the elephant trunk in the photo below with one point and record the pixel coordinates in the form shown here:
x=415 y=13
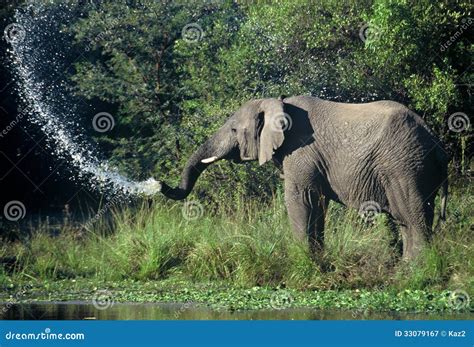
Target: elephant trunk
x=209 y=152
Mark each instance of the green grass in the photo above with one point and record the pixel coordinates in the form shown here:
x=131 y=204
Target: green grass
x=246 y=246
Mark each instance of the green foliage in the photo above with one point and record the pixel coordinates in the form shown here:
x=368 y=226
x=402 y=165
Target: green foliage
x=434 y=95
x=131 y=65
x=380 y=303
x=244 y=259
x=170 y=93
x=250 y=245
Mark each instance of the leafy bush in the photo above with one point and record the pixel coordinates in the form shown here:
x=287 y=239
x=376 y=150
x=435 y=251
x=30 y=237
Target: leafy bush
x=170 y=93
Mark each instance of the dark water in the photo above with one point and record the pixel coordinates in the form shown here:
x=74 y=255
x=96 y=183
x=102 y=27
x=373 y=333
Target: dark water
x=159 y=311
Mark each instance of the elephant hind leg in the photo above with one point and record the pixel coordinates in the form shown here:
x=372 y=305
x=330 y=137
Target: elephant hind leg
x=418 y=229
x=415 y=217
x=415 y=231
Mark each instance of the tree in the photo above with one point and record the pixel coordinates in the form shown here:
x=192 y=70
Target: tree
x=171 y=91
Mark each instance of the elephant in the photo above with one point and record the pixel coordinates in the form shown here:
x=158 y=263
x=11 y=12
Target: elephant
x=374 y=157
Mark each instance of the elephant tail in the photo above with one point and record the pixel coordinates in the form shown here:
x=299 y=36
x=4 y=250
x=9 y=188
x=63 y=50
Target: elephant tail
x=444 y=200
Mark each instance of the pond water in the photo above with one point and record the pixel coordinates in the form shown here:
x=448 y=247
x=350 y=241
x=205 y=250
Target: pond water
x=162 y=311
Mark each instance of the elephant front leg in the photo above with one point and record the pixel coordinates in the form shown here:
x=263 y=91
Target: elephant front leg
x=306 y=210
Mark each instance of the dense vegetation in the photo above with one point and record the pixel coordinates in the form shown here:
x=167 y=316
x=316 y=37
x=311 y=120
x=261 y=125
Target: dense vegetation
x=170 y=72
x=238 y=258
x=169 y=87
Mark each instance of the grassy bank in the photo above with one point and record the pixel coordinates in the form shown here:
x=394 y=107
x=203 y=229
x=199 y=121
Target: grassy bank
x=245 y=252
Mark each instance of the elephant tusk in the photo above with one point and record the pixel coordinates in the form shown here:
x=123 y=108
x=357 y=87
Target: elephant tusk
x=209 y=160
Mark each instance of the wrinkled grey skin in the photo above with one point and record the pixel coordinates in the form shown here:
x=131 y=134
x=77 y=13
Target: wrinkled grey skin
x=375 y=154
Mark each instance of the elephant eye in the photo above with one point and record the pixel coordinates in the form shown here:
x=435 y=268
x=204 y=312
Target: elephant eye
x=233 y=130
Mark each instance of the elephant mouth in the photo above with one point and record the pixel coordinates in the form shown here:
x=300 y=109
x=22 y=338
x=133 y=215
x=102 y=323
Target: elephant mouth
x=234 y=156
x=248 y=154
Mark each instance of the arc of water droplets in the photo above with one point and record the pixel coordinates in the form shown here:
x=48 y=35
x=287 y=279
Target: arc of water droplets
x=25 y=54
x=97 y=172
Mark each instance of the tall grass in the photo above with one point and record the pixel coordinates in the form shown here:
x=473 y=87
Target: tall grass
x=248 y=244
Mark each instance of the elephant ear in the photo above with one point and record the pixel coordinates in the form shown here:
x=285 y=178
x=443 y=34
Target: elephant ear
x=275 y=122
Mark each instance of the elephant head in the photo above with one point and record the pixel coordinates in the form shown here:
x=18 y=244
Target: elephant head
x=255 y=131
